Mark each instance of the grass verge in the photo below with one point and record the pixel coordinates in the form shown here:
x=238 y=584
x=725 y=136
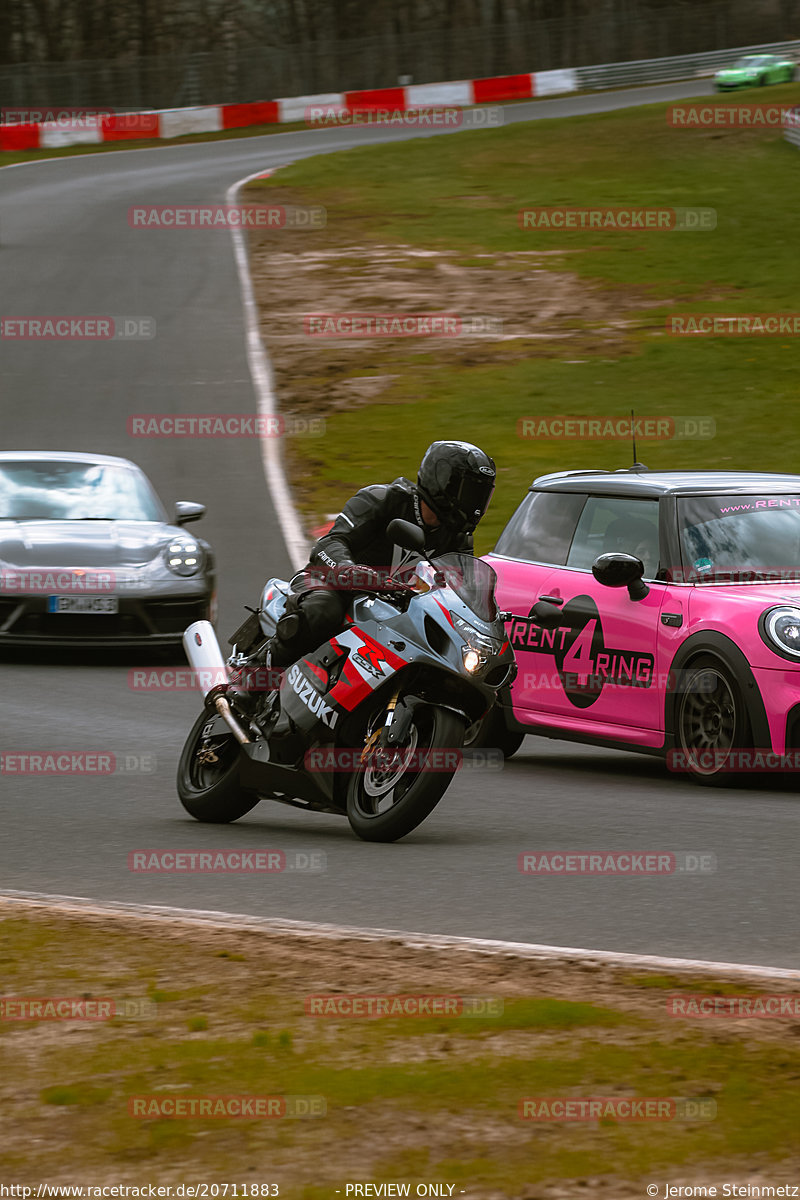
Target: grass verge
x=431 y=1098
x=584 y=311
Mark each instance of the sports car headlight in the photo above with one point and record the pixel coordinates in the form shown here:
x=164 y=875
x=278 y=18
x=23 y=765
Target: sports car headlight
x=183 y=556
x=782 y=627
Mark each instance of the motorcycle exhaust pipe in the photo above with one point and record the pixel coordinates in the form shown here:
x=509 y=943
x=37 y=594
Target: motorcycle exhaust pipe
x=205 y=658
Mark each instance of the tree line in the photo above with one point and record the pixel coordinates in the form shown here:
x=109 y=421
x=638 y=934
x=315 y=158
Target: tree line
x=57 y=31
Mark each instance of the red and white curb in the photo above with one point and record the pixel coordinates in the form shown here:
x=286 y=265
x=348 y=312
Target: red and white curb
x=38 y=133
x=241 y=922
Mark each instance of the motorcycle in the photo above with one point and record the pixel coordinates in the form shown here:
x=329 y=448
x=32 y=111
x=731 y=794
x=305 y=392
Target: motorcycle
x=371 y=724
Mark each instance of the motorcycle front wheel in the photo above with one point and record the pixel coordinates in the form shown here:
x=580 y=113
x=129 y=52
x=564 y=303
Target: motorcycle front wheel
x=392 y=794
x=208 y=774
x=491 y=733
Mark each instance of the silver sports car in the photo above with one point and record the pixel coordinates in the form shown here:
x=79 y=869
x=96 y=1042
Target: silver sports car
x=88 y=555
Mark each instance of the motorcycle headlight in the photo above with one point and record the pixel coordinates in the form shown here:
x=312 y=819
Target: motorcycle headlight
x=482 y=642
x=183 y=556
x=782 y=628
x=472 y=659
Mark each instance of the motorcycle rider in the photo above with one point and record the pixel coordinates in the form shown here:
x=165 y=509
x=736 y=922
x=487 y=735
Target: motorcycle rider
x=454 y=485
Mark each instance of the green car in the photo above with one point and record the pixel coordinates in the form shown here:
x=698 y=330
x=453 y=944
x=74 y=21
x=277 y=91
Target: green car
x=755 y=70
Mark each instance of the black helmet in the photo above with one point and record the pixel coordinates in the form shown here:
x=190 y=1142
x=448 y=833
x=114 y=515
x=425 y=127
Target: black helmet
x=456 y=479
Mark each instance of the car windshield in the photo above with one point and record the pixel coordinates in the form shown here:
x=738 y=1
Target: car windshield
x=42 y=490
x=752 y=61
x=740 y=539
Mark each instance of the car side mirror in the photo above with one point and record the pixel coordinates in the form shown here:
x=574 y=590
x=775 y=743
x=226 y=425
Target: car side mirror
x=186 y=511
x=405 y=535
x=621 y=570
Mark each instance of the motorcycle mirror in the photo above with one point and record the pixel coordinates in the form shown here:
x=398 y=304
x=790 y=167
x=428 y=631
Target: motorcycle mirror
x=406 y=535
x=547 y=616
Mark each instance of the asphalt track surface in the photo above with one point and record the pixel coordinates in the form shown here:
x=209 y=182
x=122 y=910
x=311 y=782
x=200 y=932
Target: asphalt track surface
x=66 y=248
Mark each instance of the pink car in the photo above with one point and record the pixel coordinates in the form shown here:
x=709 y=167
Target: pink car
x=658 y=612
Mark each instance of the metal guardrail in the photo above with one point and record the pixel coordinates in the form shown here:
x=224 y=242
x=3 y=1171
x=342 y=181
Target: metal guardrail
x=264 y=72
x=665 y=70
x=791 y=127
x=203 y=52
x=144 y=84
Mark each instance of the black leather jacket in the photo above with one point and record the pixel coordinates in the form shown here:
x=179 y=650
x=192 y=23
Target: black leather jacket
x=358 y=534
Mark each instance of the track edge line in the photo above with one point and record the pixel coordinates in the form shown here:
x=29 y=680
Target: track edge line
x=277 y=926
x=261 y=374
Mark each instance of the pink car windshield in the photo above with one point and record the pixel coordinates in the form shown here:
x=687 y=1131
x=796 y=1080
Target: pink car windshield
x=739 y=538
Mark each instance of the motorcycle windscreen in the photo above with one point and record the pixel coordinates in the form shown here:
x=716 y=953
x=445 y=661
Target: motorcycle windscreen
x=473 y=581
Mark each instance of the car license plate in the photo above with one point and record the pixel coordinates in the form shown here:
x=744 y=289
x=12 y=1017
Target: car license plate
x=82 y=604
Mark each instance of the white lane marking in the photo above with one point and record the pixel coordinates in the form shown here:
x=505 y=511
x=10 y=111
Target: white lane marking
x=297 y=544
x=417 y=941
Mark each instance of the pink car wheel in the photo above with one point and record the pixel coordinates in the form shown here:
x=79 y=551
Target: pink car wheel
x=711 y=720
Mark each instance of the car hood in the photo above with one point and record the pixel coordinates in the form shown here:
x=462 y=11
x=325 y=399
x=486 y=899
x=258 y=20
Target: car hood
x=82 y=543
x=757 y=594
x=738 y=72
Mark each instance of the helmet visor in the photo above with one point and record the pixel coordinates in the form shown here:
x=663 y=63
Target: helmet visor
x=469 y=501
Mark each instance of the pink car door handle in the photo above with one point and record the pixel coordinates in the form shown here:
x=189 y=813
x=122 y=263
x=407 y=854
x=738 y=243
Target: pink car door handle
x=552 y=599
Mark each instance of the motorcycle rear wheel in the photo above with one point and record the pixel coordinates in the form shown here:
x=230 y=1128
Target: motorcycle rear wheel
x=210 y=790
x=384 y=805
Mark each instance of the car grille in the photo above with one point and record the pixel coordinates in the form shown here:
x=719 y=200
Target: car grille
x=136 y=619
